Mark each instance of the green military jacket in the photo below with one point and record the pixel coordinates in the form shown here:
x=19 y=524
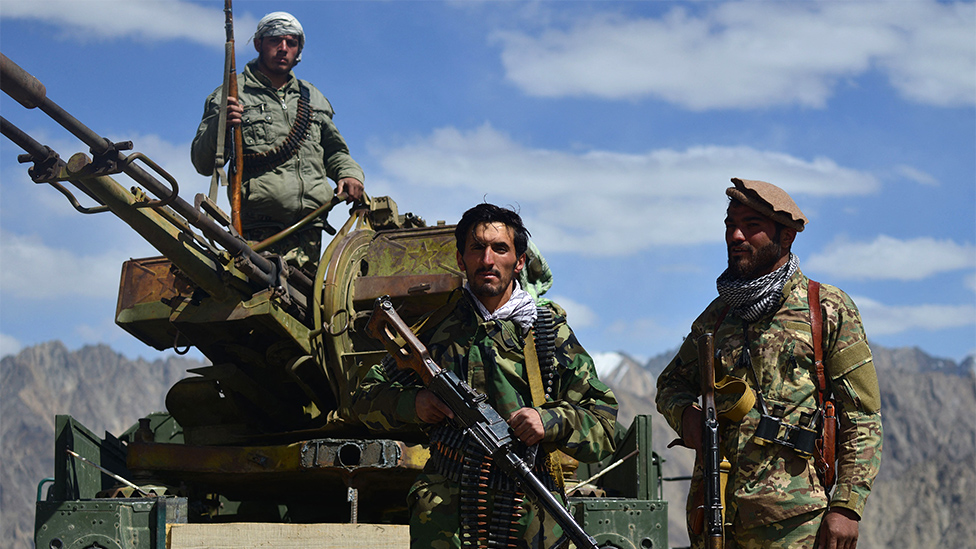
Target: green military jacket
x=489 y=356
x=283 y=195
x=771 y=483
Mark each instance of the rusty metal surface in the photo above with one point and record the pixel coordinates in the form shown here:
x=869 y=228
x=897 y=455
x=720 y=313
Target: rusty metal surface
x=382 y=470
x=368 y=288
x=149 y=280
x=348 y=455
x=428 y=250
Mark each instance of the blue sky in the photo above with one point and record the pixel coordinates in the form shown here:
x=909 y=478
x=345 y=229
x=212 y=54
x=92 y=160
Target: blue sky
x=613 y=126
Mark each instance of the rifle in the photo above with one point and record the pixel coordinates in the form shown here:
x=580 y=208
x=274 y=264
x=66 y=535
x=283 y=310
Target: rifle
x=712 y=481
x=236 y=136
x=471 y=414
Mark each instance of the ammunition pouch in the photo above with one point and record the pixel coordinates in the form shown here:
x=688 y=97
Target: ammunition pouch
x=737 y=410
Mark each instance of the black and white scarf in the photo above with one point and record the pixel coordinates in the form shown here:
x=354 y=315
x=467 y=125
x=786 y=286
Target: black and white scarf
x=755 y=298
x=520 y=308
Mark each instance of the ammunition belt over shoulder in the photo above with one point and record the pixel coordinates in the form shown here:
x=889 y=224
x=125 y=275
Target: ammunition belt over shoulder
x=255 y=163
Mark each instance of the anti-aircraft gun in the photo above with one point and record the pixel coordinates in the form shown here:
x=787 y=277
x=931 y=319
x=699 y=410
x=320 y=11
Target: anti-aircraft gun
x=263 y=437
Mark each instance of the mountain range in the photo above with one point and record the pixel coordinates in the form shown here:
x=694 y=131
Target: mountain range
x=922 y=498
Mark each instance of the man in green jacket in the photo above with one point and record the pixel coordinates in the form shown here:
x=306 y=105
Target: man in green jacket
x=284 y=179
x=482 y=337
x=761 y=321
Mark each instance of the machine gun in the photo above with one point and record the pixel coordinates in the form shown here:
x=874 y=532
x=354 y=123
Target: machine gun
x=279 y=339
x=471 y=414
x=712 y=480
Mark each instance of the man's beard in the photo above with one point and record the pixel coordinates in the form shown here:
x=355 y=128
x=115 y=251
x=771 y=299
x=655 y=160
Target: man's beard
x=486 y=289
x=762 y=260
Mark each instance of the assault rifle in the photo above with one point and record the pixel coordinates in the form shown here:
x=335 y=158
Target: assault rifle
x=712 y=481
x=471 y=414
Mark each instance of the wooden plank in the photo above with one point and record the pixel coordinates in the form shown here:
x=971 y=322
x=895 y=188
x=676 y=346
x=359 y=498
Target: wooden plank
x=255 y=535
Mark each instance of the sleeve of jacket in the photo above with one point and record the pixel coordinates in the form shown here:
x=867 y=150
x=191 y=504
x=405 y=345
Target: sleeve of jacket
x=203 y=150
x=855 y=386
x=679 y=384
x=581 y=421
x=338 y=162
x=385 y=399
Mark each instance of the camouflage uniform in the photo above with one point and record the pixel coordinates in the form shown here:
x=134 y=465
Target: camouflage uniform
x=278 y=198
x=771 y=486
x=489 y=356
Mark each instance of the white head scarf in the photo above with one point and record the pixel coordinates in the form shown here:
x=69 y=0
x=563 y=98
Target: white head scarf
x=280 y=23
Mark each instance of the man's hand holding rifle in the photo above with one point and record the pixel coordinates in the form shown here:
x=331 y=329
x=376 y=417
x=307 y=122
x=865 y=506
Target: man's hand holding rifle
x=449 y=397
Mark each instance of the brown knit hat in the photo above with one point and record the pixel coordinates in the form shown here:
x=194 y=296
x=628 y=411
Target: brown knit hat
x=769 y=200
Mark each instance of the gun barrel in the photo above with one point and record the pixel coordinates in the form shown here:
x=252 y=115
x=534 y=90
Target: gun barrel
x=518 y=469
x=31 y=93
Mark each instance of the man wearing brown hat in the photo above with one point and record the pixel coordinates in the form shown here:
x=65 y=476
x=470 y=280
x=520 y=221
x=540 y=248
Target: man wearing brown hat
x=777 y=493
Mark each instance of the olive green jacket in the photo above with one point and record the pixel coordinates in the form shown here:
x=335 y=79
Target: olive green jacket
x=283 y=195
x=769 y=483
x=490 y=357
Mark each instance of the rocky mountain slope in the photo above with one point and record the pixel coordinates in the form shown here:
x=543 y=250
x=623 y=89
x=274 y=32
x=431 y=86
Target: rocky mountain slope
x=99 y=387
x=922 y=498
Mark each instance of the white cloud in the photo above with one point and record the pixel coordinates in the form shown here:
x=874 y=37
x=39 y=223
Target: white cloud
x=753 y=54
x=147 y=21
x=55 y=272
x=578 y=315
x=9 y=345
x=888 y=258
x=916 y=175
x=601 y=202
x=880 y=319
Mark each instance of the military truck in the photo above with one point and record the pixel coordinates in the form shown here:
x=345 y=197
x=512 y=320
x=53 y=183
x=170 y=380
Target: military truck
x=259 y=448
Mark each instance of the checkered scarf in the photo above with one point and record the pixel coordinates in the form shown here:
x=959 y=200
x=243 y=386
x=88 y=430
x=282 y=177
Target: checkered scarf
x=756 y=298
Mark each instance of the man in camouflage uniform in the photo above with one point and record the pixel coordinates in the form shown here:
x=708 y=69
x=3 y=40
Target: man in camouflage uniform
x=282 y=183
x=761 y=320
x=482 y=339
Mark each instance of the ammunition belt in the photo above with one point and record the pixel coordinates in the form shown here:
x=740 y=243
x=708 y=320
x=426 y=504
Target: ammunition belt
x=545 y=345
x=458 y=457
x=255 y=163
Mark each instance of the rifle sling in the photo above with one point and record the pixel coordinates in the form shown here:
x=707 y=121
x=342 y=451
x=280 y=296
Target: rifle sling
x=816 y=326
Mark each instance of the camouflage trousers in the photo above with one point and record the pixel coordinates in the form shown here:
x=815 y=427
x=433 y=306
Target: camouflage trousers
x=799 y=532
x=435 y=517
x=302 y=249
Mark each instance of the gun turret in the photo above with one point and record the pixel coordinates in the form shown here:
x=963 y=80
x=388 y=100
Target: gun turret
x=282 y=342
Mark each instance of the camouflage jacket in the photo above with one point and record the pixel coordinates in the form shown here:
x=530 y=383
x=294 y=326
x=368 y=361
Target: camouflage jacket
x=283 y=195
x=489 y=356
x=771 y=483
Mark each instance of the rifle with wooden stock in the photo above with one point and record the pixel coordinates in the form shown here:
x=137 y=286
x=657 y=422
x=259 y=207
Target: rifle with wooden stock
x=472 y=414
x=712 y=481
x=236 y=168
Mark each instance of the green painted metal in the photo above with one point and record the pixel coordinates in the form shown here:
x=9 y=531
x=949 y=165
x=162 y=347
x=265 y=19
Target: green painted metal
x=107 y=523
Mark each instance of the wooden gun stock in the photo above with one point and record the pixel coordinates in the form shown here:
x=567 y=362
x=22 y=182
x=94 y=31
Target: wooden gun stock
x=386 y=326
x=237 y=138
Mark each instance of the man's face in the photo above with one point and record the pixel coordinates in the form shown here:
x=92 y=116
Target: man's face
x=490 y=263
x=277 y=54
x=755 y=247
